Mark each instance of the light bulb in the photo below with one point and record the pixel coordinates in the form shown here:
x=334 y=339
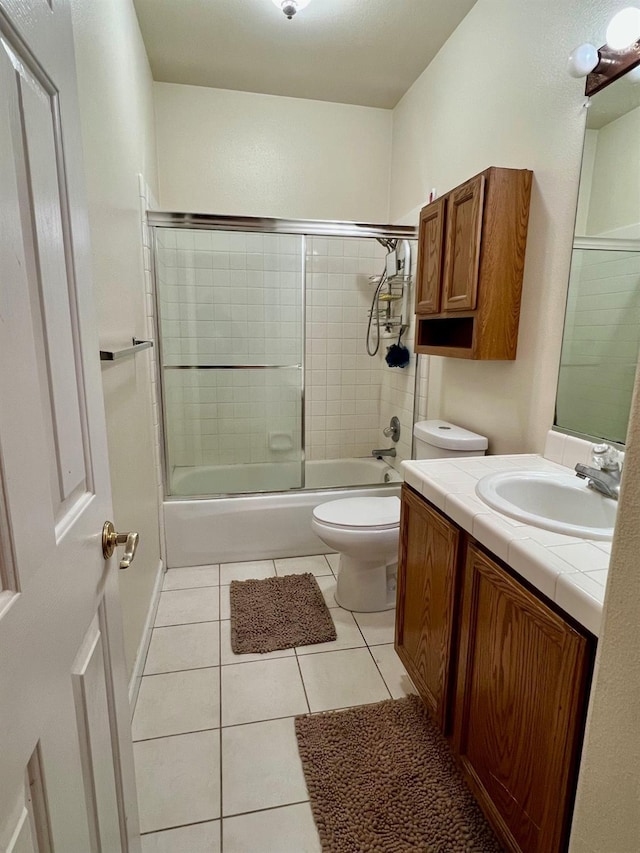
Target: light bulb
x=583 y=60
x=624 y=29
x=290 y=7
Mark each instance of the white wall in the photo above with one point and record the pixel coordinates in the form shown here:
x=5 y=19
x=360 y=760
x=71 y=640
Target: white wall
x=245 y=154
x=498 y=94
x=116 y=106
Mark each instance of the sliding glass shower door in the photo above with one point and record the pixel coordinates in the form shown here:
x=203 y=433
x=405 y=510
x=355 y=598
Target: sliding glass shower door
x=231 y=316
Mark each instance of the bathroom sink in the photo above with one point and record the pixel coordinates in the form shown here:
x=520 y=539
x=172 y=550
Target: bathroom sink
x=559 y=502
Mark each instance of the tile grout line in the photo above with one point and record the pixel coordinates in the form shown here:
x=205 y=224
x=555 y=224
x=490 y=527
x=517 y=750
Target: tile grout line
x=368 y=647
x=177 y=734
x=267 y=809
x=176 y=671
x=375 y=663
x=304 y=686
x=196 y=622
x=226 y=817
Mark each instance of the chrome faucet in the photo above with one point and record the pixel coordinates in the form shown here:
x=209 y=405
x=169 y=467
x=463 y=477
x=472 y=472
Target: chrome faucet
x=606 y=474
x=391 y=451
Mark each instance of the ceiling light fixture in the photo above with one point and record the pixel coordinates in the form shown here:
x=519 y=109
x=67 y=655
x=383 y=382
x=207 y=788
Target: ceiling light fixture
x=290 y=7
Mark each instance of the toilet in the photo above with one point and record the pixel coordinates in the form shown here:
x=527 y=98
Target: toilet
x=365 y=531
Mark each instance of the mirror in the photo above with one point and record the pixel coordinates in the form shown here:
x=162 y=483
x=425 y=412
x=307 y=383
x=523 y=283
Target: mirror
x=602 y=324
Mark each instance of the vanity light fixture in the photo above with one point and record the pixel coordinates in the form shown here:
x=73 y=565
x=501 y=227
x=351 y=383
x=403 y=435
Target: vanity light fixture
x=290 y=7
x=618 y=55
x=624 y=29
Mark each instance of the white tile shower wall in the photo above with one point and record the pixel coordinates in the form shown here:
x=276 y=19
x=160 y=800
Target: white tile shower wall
x=600 y=349
x=231 y=299
x=148 y=202
x=342 y=383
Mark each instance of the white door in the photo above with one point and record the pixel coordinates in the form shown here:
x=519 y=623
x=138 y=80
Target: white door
x=66 y=769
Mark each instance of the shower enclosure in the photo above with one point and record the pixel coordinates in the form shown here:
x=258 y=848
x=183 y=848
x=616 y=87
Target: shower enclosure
x=265 y=379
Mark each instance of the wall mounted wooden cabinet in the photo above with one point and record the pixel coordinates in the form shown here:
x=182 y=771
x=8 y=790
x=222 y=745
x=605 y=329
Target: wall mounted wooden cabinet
x=510 y=672
x=470 y=265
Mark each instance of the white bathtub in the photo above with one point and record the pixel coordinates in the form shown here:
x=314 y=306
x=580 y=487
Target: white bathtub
x=232 y=529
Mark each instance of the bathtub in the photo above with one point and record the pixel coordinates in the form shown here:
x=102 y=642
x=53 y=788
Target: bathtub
x=251 y=527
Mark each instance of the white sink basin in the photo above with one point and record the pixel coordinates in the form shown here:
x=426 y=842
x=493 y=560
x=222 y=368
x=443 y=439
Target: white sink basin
x=558 y=502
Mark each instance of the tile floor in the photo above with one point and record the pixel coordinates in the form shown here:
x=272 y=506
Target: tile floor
x=216 y=756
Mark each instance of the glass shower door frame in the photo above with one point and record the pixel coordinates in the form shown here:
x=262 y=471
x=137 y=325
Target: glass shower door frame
x=303 y=228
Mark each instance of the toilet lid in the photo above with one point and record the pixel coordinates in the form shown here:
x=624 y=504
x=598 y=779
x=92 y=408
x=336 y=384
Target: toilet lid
x=360 y=512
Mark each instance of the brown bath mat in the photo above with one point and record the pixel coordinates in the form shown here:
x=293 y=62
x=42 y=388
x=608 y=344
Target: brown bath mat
x=382 y=778
x=278 y=613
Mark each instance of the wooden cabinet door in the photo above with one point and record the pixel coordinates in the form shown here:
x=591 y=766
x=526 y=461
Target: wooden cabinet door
x=425 y=607
x=462 y=252
x=430 y=251
x=520 y=694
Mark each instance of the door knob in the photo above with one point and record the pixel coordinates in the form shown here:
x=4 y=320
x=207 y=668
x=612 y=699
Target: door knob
x=110 y=539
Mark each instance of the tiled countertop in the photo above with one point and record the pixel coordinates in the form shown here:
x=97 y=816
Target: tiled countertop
x=570 y=571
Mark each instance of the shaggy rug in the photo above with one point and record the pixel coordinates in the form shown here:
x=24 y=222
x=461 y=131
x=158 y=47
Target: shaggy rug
x=278 y=613
x=382 y=779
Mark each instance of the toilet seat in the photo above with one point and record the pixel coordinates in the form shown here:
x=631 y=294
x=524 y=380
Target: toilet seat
x=360 y=513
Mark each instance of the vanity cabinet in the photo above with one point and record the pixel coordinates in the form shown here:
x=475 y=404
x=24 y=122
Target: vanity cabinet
x=500 y=669
x=426 y=601
x=471 y=249
x=520 y=701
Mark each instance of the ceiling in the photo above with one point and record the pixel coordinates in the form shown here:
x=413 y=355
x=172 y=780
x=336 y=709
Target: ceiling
x=365 y=52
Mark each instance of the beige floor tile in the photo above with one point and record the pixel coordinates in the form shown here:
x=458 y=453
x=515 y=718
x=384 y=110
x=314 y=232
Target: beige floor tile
x=180 y=606
x=286 y=830
x=341 y=679
x=178 y=780
x=378 y=628
x=198 y=838
x=261 y=691
x=228 y=657
x=317 y=565
x=334 y=562
x=347 y=631
x=327 y=584
x=183 y=647
x=393 y=672
x=192 y=577
x=254 y=570
x=225 y=603
x=177 y=703
x=261 y=767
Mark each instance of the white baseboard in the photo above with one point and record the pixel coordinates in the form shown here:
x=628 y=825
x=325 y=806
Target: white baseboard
x=143 y=648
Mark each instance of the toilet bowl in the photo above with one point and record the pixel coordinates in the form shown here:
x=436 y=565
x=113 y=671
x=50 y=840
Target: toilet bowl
x=365 y=531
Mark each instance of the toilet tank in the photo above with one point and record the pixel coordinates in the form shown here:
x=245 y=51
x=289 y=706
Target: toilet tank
x=439 y=439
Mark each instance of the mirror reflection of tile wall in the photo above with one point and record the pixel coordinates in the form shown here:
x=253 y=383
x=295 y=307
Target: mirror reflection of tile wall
x=601 y=339
x=600 y=344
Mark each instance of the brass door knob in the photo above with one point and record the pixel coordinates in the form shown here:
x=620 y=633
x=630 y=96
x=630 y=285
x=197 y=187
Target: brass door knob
x=110 y=539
